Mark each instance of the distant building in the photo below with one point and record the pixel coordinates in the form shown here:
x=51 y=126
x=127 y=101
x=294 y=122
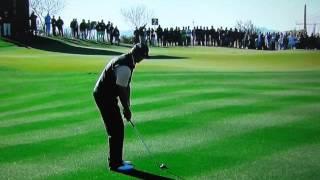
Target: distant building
x=19 y=12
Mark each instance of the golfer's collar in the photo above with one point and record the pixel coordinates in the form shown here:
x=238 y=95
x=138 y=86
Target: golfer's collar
x=134 y=62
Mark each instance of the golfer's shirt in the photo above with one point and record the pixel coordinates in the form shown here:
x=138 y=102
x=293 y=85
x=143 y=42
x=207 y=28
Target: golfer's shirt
x=123 y=75
x=118 y=72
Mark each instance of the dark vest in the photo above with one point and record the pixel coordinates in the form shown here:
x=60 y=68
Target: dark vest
x=106 y=85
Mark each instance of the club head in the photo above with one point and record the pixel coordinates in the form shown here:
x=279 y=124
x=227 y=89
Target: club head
x=163 y=166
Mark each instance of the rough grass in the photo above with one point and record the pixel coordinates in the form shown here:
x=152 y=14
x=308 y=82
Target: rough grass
x=216 y=113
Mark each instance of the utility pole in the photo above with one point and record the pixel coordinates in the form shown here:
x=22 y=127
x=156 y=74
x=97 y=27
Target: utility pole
x=305 y=24
x=305 y=18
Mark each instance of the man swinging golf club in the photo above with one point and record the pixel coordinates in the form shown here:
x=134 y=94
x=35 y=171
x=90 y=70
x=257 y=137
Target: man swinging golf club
x=114 y=82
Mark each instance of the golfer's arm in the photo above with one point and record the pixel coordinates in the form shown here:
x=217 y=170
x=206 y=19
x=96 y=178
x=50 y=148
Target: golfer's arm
x=124 y=96
x=129 y=93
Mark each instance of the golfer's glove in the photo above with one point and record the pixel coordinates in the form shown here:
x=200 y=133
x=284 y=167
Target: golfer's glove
x=127 y=114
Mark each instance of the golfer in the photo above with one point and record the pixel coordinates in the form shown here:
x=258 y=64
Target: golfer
x=114 y=82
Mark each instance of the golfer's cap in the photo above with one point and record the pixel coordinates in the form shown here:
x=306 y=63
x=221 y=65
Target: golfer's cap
x=140 y=50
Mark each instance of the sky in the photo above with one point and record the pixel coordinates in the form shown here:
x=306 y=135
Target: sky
x=280 y=15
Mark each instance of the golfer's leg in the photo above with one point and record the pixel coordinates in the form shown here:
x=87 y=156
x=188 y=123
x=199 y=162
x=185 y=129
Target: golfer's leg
x=115 y=129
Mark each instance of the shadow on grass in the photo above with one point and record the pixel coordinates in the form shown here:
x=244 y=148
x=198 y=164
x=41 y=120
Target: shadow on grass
x=75 y=46
x=89 y=43
x=144 y=175
x=165 y=57
x=48 y=44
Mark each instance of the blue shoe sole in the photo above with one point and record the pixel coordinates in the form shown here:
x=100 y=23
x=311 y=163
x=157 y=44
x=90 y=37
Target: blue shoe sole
x=124 y=168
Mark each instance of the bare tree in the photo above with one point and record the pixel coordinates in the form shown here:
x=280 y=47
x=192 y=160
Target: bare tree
x=137 y=16
x=246 y=26
x=42 y=7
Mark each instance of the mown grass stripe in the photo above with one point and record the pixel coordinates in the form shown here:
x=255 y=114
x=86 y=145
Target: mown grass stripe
x=37 y=118
x=34 y=90
x=44 y=108
x=301 y=161
x=38 y=105
x=32 y=122
x=219 y=113
x=52 y=122
x=232 y=106
x=303 y=98
x=245 y=147
x=97 y=155
x=53 y=96
x=220 y=128
x=229 y=109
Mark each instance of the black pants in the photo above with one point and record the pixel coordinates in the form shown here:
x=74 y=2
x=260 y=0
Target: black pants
x=112 y=119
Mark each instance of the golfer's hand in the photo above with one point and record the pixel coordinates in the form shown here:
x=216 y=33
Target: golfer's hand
x=127 y=114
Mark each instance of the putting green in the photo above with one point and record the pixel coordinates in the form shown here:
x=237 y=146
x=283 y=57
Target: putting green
x=205 y=112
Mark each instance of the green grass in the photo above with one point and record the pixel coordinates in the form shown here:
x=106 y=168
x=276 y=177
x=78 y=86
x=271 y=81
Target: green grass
x=214 y=113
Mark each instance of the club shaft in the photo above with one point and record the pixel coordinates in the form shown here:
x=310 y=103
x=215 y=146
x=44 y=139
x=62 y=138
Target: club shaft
x=140 y=137
x=148 y=150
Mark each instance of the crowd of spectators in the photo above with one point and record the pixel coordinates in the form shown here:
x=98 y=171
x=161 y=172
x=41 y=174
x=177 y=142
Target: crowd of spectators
x=226 y=37
x=84 y=30
x=168 y=37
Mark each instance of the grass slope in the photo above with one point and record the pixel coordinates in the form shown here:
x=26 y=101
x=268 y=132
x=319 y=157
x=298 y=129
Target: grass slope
x=216 y=113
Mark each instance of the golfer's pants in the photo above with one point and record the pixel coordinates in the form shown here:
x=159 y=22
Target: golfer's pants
x=7 y=29
x=48 y=28
x=112 y=118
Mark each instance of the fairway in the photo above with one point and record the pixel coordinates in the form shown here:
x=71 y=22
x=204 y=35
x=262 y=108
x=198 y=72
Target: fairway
x=208 y=113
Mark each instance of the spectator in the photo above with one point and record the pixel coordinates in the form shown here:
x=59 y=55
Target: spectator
x=33 y=19
x=142 y=34
x=259 y=41
x=273 y=39
x=116 y=34
x=98 y=29
x=159 y=35
x=318 y=41
x=89 y=30
x=189 y=35
x=149 y=36
x=6 y=24
x=211 y=33
x=236 y=37
x=108 y=31
x=103 y=30
x=72 y=28
x=207 y=35
x=60 y=26
x=83 y=29
x=136 y=36
x=1 y=25
x=194 y=36
x=166 y=37
x=184 y=37
x=280 y=42
x=291 y=41
x=111 y=33
x=76 y=29
x=153 y=37
x=313 y=42
x=54 y=25
x=285 y=41
x=47 y=21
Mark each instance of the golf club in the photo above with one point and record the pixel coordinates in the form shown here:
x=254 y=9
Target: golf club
x=162 y=165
